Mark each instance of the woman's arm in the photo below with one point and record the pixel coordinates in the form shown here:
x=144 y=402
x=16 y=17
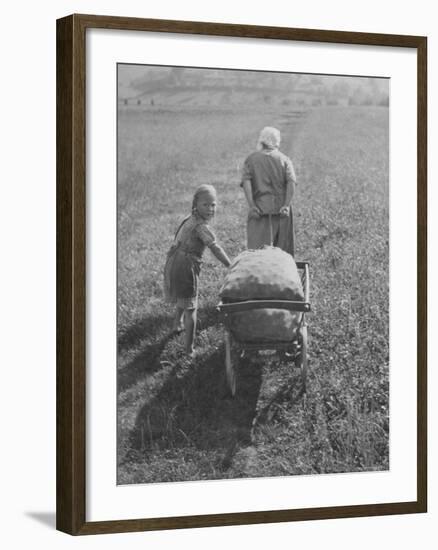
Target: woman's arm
x=290 y=189
x=247 y=189
x=284 y=210
x=220 y=254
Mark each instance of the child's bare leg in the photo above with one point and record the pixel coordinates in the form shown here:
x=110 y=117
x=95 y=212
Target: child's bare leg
x=190 y=326
x=178 y=324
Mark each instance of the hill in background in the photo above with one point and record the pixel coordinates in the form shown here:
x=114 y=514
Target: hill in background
x=167 y=86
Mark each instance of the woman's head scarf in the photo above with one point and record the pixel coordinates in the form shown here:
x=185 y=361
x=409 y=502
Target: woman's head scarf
x=269 y=138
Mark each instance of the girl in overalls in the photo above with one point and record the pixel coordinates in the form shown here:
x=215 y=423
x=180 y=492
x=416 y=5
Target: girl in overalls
x=183 y=264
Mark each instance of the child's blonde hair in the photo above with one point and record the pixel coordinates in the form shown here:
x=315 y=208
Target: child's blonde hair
x=201 y=190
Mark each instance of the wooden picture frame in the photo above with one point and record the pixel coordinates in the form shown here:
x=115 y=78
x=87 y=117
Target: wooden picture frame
x=71 y=273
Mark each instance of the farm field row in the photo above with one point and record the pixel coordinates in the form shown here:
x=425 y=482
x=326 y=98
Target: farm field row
x=175 y=420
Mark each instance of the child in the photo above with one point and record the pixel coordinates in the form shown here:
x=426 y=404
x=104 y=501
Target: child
x=183 y=264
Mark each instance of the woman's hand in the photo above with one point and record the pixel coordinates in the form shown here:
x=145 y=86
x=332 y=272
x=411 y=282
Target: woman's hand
x=284 y=211
x=254 y=212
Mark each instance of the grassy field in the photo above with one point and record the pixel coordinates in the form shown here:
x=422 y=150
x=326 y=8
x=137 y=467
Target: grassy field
x=175 y=419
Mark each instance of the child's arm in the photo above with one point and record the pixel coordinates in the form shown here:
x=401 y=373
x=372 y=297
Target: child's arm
x=209 y=239
x=220 y=254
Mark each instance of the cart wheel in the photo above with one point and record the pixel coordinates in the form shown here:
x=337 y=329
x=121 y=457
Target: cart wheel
x=230 y=364
x=302 y=360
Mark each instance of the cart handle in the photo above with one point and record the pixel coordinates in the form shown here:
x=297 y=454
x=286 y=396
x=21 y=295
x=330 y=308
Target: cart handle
x=248 y=305
x=306 y=281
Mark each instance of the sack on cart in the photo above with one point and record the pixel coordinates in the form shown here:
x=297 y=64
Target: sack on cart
x=268 y=273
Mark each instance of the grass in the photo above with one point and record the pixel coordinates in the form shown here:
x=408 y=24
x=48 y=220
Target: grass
x=175 y=419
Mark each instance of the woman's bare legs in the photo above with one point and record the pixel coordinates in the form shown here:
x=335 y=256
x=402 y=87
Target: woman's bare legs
x=190 y=316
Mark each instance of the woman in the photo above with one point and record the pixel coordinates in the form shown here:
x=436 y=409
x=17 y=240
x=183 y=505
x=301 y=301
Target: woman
x=268 y=181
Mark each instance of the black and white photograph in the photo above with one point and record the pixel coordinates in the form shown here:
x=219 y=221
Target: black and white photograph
x=252 y=274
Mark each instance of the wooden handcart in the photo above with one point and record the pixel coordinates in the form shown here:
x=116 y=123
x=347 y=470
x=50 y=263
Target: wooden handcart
x=296 y=347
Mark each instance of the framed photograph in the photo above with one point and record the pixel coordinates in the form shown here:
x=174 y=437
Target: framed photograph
x=241 y=274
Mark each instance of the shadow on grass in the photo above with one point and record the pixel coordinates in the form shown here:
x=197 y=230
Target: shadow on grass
x=193 y=411
x=157 y=331
x=146 y=362
x=151 y=326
